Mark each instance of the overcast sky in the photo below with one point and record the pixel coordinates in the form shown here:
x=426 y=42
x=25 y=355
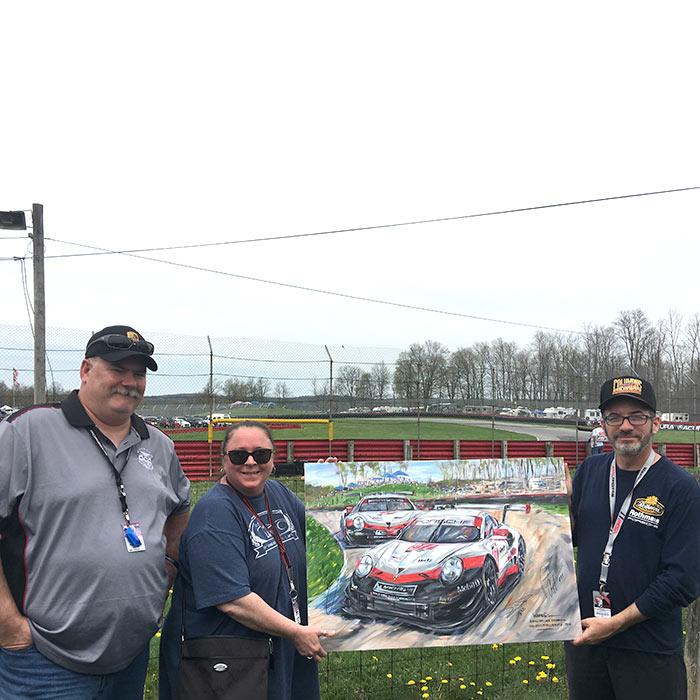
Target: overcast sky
x=155 y=124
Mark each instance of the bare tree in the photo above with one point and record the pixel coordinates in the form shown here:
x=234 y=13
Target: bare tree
x=282 y=391
x=381 y=380
x=633 y=329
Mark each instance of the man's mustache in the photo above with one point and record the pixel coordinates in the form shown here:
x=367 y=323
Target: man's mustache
x=131 y=393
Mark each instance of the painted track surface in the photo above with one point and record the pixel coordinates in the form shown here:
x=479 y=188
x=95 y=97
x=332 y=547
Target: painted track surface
x=542 y=606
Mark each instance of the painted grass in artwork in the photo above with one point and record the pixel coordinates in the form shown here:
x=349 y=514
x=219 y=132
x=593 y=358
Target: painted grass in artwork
x=324 y=560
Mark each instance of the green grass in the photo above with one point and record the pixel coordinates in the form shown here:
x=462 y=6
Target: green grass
x=379 y=429
x=677 y=436
x=324 y=559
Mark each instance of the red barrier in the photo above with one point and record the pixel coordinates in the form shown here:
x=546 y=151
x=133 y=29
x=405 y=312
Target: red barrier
x=527 y=449
x=432 y=449
x=483 y=449
x=194 y=455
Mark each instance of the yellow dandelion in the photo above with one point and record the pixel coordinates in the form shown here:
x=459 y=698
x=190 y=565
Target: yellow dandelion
x=479 y=692
x=425 y=695
x=462 y=687
x=428 y=678
x=555 y=679
x=511 y=662
x=488 y=684
x=530 y=663
x=374 y=658
x=411 y=683
x=550 y=666
x=526 y=681
x=494 y=646
x=472 y=683
x=544 y=658
x=449 y=663
x=389 y=675
x=425 y=687
x=444 y=680
x=158 y=634
x=518 y=658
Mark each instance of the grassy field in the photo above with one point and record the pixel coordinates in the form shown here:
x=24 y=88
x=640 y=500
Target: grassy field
x=405 y=429
x=372 y=429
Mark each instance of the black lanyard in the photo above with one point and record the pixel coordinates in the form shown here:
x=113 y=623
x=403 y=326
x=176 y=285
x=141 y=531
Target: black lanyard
x=117 y=477
x=272 y=530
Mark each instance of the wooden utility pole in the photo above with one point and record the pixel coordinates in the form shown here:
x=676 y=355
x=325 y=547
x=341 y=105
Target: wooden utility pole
x=39 y=304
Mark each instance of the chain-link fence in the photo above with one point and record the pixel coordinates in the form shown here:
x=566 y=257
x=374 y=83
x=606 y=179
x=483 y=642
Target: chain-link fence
x=202 y=375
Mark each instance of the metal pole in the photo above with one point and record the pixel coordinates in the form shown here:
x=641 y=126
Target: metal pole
x=211 y=405
x=330 y=397
x=418 y=413
x=39 y=304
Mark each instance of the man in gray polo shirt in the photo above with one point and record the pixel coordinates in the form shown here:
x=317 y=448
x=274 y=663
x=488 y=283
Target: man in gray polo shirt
x=92 y=505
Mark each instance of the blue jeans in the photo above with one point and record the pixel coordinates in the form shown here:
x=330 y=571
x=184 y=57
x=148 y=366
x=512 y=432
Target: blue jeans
x=28 y=675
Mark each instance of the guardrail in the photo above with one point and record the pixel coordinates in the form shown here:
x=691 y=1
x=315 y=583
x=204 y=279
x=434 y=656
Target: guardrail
x=195 y=456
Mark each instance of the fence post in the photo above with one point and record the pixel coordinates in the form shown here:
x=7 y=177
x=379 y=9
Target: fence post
x=696 y=456
x=504 y=449
x=290 y=450
x=549 y=448
x=351 y=450
x=455 y=449
x=407 y=451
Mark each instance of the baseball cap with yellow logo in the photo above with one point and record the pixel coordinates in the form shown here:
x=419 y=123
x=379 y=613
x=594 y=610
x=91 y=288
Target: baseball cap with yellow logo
x=116 y=343
x=627 y=388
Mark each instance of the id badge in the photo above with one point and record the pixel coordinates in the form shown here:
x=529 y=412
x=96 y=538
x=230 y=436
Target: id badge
x=133 y=538
x=601 y=604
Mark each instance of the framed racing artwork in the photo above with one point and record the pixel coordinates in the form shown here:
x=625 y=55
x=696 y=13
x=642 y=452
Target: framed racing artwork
x=434 y=553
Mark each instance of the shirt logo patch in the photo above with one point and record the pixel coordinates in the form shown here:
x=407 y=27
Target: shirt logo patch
x=145 y=459
x=628 y=385
x=261 y=538
x=133 y=336
x=651 y=505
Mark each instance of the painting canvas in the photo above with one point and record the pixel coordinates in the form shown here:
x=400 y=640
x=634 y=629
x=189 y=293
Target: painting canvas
x=433 y=553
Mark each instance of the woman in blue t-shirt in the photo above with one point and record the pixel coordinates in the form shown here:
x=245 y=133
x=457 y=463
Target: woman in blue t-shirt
x=243 y=537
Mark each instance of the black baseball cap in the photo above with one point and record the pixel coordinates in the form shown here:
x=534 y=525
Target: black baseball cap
x=116 y=343
x=628 y=388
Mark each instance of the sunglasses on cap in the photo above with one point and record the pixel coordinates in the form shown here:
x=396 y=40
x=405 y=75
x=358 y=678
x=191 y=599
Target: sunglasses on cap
x=261 y=456
x=116 y=341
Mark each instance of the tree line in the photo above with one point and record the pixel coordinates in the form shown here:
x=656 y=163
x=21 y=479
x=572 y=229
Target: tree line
x=554 y=367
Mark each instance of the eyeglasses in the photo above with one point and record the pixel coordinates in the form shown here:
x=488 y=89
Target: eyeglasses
x=634 y=419
x=116 y=341
x=261 y=456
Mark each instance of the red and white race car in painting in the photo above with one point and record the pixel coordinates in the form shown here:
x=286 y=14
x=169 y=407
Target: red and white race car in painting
x=377 y=518
x=445 y=571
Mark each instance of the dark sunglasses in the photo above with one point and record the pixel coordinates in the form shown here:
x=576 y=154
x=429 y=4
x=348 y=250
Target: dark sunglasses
x=261 y=456
x=116 y=341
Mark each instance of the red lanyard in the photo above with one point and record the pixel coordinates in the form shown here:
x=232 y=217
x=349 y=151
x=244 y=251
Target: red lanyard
x=272 y=530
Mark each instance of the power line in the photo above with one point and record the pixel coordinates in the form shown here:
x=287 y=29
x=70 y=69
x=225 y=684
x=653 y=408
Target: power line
x=354 y=297
x=366 y=228
x=372 y=300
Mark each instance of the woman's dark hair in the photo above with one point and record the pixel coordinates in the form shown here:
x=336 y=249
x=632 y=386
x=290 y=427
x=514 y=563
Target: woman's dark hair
x=246 y=424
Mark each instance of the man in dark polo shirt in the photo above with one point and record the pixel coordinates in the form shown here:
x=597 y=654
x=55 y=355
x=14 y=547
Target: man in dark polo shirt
x=92 y=505
x=636 y=518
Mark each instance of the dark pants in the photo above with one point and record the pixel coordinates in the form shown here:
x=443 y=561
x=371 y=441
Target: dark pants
x=603 y=673
x=28 y=675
